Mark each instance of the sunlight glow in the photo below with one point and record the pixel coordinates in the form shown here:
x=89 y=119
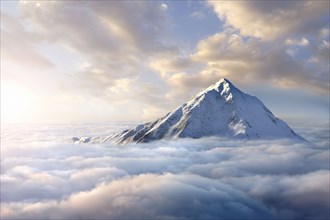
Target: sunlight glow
x=15 y=102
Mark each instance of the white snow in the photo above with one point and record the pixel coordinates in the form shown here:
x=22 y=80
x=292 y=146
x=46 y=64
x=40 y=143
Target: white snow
x=220 y=110
x=80 y=140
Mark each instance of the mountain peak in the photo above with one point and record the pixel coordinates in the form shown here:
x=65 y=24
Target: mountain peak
x=219 y=110
x=221 y=84
x=223 y=80
x=223 y=87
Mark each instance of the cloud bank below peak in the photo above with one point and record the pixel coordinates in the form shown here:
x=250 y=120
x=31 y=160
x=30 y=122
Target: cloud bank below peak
x=201 y=179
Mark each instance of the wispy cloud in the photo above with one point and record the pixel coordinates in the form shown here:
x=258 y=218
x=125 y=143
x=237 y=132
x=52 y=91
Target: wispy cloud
x=128 y=54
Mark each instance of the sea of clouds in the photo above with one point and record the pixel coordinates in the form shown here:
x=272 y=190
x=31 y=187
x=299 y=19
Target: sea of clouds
x=44 y=176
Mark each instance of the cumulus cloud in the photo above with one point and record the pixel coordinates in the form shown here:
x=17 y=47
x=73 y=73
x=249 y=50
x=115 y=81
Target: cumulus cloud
x=45 y=177
x=272 y=20
x=284 y=44
x=249 y=61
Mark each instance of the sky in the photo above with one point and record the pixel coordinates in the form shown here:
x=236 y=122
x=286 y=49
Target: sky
x=103 y=61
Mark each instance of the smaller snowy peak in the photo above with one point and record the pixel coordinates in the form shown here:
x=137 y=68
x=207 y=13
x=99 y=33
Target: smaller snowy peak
x=81 y=140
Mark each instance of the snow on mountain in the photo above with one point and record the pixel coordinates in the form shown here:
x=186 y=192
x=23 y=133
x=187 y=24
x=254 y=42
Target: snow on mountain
x=220 y=110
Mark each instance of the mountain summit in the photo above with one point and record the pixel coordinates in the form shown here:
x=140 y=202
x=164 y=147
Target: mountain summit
x=219 y=110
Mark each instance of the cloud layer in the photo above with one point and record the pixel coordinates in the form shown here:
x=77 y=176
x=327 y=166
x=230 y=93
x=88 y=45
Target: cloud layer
x=211 y=178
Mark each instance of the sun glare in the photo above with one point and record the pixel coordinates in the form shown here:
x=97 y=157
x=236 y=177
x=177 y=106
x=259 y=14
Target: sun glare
x=14 y=103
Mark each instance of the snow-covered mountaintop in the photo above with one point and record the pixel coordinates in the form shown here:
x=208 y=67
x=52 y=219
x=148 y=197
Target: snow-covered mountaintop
x=219 y=110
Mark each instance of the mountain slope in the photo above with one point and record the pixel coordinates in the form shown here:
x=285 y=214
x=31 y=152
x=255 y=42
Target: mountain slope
x=219 y=110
